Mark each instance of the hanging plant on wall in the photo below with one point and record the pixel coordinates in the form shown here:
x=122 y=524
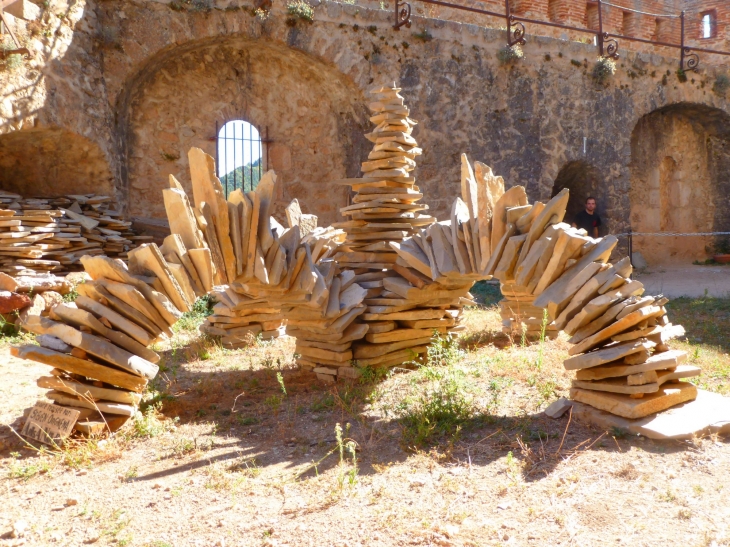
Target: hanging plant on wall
x=604 y=69
x=509 y=55
x=721 y=85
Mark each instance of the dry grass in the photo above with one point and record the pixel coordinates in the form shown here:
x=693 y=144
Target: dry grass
x=245 y=450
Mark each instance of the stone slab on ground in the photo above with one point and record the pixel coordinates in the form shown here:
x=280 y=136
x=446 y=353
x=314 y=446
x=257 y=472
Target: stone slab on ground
x=709 y=413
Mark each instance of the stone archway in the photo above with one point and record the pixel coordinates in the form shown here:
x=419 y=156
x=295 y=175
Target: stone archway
x=680 y=181
x=52 y=161
x=583 y=181
x=312 y=113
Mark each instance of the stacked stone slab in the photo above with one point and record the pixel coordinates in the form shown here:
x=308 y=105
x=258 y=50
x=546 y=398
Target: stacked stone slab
x=98 y=345
x=52 y=234
x=247 y=310
x=620 y=337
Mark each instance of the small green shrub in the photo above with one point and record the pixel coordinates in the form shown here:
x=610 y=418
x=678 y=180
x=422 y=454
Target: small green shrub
x=424 y=35
x=721 y=85
x=11 y=62
x=299 y=10
x=509 y=55
x=192 y=319
x=603 y=69
x=681 y=75
x=151 y=423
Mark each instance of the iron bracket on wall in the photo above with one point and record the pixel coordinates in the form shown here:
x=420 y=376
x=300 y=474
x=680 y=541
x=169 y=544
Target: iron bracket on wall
x=687 y=60
x=402 y=15
x=607 y=46
x=515 y=29
x=515 y=32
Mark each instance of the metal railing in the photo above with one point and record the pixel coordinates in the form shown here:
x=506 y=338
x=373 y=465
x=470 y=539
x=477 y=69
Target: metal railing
x=630 y=235
x=607 y=43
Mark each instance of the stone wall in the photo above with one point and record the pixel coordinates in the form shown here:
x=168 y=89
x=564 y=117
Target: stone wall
x=314 y=117
x=144 y=81
x=676 y=183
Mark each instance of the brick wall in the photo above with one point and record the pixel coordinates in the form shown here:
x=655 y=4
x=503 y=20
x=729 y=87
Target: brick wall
x=616 y=20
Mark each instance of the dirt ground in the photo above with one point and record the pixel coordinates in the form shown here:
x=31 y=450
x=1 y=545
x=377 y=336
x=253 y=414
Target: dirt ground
x=238 y=448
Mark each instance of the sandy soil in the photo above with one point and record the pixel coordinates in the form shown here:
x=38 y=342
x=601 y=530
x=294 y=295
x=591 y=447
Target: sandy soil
x=227 y=460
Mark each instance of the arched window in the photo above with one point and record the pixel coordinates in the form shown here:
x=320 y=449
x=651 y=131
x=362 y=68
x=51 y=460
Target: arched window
x=240 y=156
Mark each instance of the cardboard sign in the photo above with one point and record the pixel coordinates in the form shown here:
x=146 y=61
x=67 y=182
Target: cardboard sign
x=49 y=423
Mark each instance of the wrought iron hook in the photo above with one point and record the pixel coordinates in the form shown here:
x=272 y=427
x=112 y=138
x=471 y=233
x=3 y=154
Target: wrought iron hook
x=402 y=15
x=515 y=32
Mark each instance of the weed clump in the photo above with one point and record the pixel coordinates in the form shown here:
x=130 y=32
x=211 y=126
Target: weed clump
x=603 y=70
x=10 y=62
x=424 y=35
x=192 y=319
x=509 y=55
x=299 y=10
x=442 y=401
x=149 y=424
x=721 y=85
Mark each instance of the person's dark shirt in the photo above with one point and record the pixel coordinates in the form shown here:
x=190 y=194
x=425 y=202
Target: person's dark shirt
x=587 y=221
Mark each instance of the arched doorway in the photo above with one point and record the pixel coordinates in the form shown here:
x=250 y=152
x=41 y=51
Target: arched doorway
x=680 y=181
x=582 y=179
x=51 y=162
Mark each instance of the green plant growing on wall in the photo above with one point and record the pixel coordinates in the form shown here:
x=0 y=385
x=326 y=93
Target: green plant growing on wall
x=299 y=10
x=603 y=69
x=681 y=75
x=721 y=85
x=424 y=35
x=262 y=14
x=9 y=62
x=509 y=55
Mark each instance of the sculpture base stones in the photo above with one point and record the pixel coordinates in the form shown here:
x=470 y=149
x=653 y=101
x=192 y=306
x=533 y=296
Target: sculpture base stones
x=707 y=414
x=521 y=317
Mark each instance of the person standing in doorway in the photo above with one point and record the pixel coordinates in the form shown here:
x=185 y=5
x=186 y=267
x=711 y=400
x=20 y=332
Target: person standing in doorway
x=588 y=219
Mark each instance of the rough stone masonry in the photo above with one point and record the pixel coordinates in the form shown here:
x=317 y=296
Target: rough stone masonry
x=115 y=93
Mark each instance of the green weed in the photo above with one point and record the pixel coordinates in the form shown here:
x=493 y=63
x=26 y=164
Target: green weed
x=299 y=10
x=191 y=320
x=150 y=423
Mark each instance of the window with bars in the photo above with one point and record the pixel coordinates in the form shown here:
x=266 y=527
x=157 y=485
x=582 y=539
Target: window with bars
x=239 y=156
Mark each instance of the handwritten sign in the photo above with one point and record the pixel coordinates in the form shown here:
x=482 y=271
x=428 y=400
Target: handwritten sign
x=49 y=423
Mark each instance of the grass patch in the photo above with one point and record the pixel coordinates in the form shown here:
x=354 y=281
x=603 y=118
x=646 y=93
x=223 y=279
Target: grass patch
x=191 y=320
x=707 y=322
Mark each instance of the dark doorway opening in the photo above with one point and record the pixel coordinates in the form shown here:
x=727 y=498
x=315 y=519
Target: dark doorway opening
x=581 y=178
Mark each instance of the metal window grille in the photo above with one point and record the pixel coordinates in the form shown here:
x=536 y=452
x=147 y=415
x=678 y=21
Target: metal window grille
x=241 y=155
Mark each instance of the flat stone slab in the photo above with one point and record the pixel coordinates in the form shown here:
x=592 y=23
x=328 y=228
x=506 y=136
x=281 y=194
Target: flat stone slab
x=708 y=413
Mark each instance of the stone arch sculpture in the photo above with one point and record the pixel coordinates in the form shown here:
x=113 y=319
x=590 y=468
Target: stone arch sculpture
x=371 y=291
x=680 y=156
